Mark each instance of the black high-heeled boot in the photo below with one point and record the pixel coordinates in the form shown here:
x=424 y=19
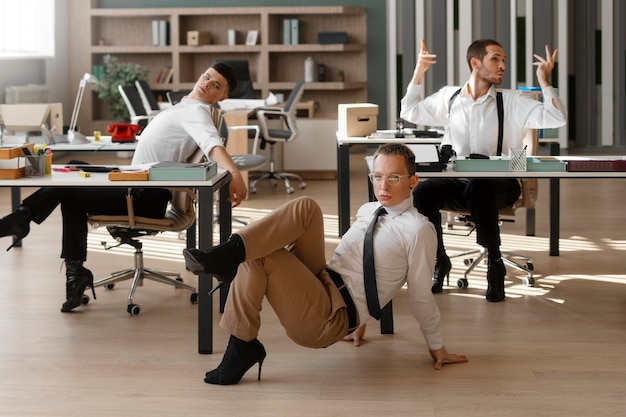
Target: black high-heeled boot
x=442 y=270
x=239 y=357
x=222 y=260
x=16 y=224
x=495 y=280
x=78 y=279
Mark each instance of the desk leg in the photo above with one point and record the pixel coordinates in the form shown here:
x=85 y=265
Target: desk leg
x=226 y=224
x=16 y=200
x=555 y=206
x=205 y=241
x=343 y=188
x=554 y=216
x=205 y=282
x=530 y=221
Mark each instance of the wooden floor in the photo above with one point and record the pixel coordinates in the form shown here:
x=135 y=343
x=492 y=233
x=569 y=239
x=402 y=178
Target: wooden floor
x=557 y=349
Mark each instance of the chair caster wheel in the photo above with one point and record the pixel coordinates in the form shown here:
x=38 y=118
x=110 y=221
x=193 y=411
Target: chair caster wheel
x=468 y=261
x=194 y=298
x=529 y=282
x=85 y=299
x=302 y=185
x=110 y=286
x=179 y=279
x=529 y=266
x=289 y=190
x=462 y=283
x=133 y=309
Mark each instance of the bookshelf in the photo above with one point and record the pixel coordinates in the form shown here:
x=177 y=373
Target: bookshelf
x=275 y=67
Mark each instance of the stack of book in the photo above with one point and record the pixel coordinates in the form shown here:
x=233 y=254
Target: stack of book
x=160 y=33
x=291 y=31
x=165 y=75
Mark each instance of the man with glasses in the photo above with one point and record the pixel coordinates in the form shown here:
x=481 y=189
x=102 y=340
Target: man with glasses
x=282 y=258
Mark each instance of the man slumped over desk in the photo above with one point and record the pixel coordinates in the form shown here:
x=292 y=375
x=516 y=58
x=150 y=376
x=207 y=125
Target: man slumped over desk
x=173 y=135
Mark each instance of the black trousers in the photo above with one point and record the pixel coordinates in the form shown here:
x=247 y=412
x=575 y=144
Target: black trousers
x=78 y=203
x=481 y=197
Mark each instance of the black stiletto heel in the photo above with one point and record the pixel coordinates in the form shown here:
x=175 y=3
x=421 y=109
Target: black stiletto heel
x=219 y=284
x=239 y=357
x=221 y=261
x=16 y=224
x=78 y=279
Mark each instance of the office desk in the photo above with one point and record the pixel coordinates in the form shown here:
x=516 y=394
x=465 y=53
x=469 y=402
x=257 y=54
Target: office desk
x=205 y=224
x=343 y=177
x=103 y=145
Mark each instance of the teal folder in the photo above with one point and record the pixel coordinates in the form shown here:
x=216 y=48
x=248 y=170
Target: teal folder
x=171 y=171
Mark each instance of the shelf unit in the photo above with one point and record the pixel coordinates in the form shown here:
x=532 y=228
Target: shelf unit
x=275 y=67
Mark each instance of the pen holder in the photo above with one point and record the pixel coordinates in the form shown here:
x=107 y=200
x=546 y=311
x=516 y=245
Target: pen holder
x=37 y=166
x=517 y=159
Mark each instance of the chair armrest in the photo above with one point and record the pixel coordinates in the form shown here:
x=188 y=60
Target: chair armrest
x=136 y=119
x=257 y=133
x=262 y=112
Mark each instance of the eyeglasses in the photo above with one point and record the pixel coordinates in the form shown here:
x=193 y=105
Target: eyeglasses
x=392 y=179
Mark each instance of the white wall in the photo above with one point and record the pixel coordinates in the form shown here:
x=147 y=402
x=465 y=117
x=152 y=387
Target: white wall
x=51 y=71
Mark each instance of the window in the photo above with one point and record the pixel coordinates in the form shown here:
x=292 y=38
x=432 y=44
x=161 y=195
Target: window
x=26 y=28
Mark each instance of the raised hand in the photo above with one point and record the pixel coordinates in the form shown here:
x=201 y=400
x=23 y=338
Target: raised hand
x=424 y=60
x=545 y=66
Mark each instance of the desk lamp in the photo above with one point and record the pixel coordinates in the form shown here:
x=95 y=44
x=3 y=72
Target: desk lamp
x=74 y=136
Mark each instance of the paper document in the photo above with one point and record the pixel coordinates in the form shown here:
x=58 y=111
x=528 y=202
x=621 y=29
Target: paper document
x=239 y=104
x=424 y=152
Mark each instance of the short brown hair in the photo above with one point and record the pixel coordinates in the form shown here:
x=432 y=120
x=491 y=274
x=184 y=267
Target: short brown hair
x=398 y=149
x=478 y=50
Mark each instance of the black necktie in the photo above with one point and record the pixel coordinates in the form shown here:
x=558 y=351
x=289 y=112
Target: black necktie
x=369 y=272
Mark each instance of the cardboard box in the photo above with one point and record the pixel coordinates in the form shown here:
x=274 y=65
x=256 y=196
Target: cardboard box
x=358 y=119
x=29 y=117
x=198 y=37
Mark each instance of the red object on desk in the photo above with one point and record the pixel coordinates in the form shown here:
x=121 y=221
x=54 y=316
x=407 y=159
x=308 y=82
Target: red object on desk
x=123 y=132
x=596 y=165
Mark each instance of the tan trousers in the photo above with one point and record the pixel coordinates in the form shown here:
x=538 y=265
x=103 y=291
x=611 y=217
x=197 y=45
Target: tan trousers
x=285 y=262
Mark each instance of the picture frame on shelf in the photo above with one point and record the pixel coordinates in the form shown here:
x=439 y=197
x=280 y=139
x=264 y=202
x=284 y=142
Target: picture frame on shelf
x=252 y=37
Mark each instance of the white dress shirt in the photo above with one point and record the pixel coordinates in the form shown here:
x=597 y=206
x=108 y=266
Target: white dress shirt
x=176 y=133
x=472 y=126
x=405 y=243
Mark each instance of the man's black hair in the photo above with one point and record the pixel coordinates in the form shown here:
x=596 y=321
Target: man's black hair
x=228 y=73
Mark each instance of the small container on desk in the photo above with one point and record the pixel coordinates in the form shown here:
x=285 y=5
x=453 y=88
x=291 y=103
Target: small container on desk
x=36 y=165
x=12 y=162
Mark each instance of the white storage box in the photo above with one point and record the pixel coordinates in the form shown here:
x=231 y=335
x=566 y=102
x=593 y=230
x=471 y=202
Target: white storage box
x=358 y=119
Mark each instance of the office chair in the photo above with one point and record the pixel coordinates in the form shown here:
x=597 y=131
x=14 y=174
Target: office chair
x=174 y=97
x=129 y=229
x=245 y=89
x=150 y=103
x=136 y=110
x=288 y=133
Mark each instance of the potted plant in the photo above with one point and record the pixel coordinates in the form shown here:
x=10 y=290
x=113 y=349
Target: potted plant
x=115 y=74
